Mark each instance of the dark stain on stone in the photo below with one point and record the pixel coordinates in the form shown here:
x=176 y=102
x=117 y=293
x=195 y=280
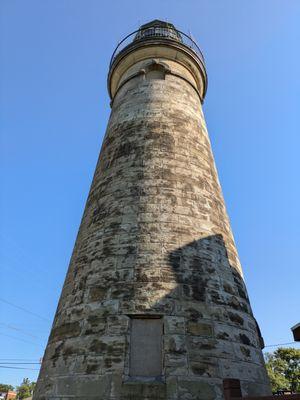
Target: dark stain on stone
x=186 y=290
x=174 y=260
x=124 y=149
x=203 y=368
x=94 y=320
x=57 y=353
x=198 y=291
x=194 y=314
x=228 y=288
x=199 y=329
x=124 y=291
x=245 y=351
x=70 y=329
x=82 y=283
x=110 y=361
x=97 y=293
x=242 y=293
x=196 y=263
x=235 y=318
x=244 y=339
x=207 y=346
x=215 y=297
x=223 y=336
x=91 y=368
x=97 y=346
x=234 y=303
x=176 y=348
x=198 y=370
x=68 y=351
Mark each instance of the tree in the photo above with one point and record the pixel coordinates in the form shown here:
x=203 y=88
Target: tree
x=25 y=389
x=283 y=368
x=5 y=388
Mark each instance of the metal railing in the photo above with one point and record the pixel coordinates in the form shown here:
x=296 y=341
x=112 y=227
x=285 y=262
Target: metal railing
x=156 y=32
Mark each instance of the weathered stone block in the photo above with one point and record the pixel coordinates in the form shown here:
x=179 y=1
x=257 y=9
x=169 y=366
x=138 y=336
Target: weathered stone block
x=196 y=390
x=174 y=344
x=65 y=330
x=199 y=329
x=208 y=367
x=97 y=293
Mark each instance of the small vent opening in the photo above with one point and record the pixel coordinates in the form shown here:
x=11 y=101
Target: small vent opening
x=156 y=71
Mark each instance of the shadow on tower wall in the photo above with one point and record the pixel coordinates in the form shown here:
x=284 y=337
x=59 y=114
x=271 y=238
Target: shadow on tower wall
x=210 y=332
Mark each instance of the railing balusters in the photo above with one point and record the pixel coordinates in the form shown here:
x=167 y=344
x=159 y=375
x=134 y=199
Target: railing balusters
x=152 y=32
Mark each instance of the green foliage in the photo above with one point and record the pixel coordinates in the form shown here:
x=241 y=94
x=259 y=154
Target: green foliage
x=283 y=368
x=25 y=389
x=5 y=388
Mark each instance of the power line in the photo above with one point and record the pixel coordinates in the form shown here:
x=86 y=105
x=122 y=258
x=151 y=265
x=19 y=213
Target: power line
x=2 y=360
x=15 y=328
x=19 y=254
x=19 y=363
x=279 y=344
x=21 y=340
x=25 y=310
x=31 y=369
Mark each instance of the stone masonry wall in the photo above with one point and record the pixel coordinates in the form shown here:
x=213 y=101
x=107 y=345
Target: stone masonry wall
x=154 y=239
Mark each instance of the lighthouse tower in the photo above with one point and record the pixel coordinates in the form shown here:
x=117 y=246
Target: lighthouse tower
x=154 y=305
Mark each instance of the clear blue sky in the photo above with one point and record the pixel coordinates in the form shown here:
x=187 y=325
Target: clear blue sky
x=54 y=110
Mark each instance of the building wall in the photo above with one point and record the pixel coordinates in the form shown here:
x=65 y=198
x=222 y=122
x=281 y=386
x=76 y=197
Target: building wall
x=154 y=240
x=10 y=395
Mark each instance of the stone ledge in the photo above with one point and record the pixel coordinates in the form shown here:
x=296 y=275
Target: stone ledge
x=279 y=397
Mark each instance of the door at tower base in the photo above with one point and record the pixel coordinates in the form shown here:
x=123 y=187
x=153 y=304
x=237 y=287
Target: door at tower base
x=145 y=361
x=154 y=305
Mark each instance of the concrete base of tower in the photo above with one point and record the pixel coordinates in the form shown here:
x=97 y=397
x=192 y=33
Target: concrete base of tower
x=113 y=387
